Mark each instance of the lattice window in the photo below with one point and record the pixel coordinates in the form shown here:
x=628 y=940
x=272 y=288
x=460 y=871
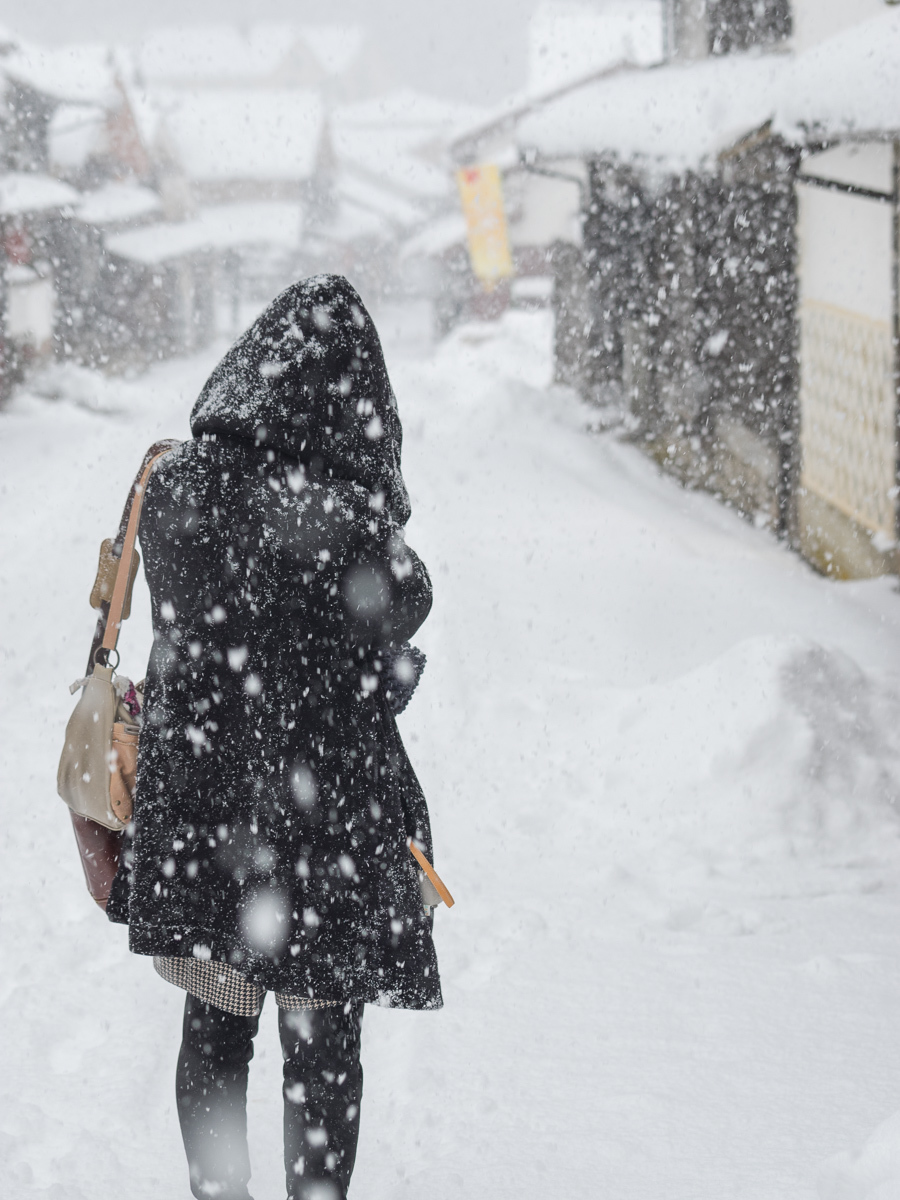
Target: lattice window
x=848 y=414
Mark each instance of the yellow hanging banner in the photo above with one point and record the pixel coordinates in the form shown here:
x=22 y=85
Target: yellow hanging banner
x=481 y=192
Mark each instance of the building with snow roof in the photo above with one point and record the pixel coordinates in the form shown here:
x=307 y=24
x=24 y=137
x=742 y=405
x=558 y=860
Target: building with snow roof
x=569 y=40
x=389 y=178
x=243 y=144
x=68 y=110
x=681 y=298
x=842 y=108
x=35 y=211
x=571 y=47
x=737 y=284
x=77 y=165
x=334 y=60
x=399 y=143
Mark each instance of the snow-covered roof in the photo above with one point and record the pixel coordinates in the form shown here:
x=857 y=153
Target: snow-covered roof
x=350 y=222
x=21 y=275
x=255 y=223
x=225 y=54
x=79 y=74
x=29 y=192
x=847 y=85
x=570 y=44
x=213 y=53
x=421 y=115
x=118 y=202
x=336 y=47
x=438 y=236
x=159 y=243
x=386 y=203
x=390 y=154
x=395 y=138
x=217 y=227
x=682 y=115
x=677 y=116
x=244 y=133
x=387 y=154
x=568 y=40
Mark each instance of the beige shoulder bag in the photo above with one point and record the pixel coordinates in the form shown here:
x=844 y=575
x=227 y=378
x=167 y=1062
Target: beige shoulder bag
x=99 y=758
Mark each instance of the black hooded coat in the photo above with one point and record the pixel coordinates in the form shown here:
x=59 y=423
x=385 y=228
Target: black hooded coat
x=274 y=798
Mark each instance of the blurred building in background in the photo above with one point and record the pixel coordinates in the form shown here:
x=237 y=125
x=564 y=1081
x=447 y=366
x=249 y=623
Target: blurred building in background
x=152 y=199
x=704 y=192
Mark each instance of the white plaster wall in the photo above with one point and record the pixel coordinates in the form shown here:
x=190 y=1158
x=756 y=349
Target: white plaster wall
x=845 y=252
x=542 y=210
x=865 y=164
x=815 y=20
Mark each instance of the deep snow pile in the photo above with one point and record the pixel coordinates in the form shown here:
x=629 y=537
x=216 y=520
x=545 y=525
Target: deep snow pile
x=777 y=749
x=872 y=1172
x=663 y=760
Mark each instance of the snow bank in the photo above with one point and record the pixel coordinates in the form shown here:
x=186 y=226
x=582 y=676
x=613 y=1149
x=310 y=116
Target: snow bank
x=71 y=384
x=777 y=749
x=871 y=1172
x=660 y=756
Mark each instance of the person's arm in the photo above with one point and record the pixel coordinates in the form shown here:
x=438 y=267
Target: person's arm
x=386 y=593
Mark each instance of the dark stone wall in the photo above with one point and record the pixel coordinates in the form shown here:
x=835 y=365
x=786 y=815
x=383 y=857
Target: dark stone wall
x=690 y=290
x=742 y=24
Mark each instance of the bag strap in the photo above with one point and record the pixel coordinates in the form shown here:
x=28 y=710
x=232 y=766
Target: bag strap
x=117 y=603
x=440 y=887
x=109 y=623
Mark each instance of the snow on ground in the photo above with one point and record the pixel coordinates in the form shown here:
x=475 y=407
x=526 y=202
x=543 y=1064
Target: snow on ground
x=662 y=758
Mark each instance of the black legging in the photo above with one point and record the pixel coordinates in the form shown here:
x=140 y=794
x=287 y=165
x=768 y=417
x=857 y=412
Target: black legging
x=322 y=1093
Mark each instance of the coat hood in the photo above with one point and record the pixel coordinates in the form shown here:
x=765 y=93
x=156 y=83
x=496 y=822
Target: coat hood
x=308 y=380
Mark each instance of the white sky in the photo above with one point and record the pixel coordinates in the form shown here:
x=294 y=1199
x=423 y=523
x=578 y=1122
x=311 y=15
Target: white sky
x=472 y=49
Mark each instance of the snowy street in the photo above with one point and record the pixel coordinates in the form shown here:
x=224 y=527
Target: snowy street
x=662 y=758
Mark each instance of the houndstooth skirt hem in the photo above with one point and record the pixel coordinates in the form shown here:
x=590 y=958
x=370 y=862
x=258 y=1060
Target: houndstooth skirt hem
x=220 y=985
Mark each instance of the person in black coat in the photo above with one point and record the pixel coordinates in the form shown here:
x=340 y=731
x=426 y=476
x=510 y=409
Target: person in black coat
x=275 y=803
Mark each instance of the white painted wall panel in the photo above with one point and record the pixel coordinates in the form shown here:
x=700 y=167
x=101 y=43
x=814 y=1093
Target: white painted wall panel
x=845 y=252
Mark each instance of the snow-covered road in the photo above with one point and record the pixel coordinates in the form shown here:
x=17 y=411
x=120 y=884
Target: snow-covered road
x=662 y=759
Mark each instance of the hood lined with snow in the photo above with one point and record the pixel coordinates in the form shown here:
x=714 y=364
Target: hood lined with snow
x=308 y=380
